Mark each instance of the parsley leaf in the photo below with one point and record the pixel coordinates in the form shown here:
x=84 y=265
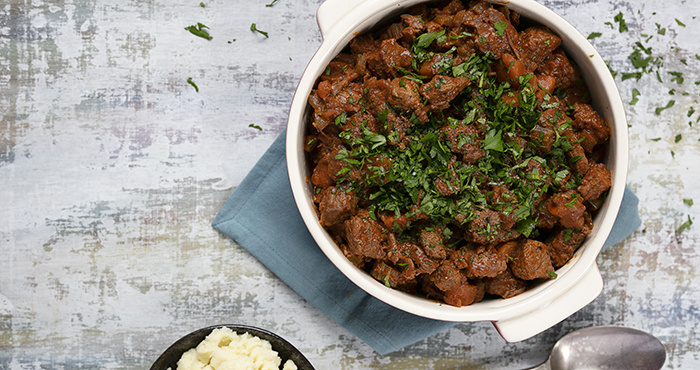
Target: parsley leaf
x=677 y=76
x=594 y=35
x=255 y=127
x=688 y=201
x=680 y=23
x=669 y=105
x=424 y=40
x=685 y=225
x=253 y=27
x=678 y=138
x=622 y=25
x=189 y=81
x=493 y=141
x=500 y=27
x=271 y=4
x=635 y=96
x=659 y=30
x=199 y=30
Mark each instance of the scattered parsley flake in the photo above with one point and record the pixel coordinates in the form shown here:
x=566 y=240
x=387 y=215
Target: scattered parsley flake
x=635 y=96
x=271 y=4
x=680 y=23
x=500 y=27
x=691 y=111
x=621 y=21
x=253 y=27
x=628 y=75
x=202 y=5
x=552 y=274
x=199 y=30
x=189 y=81
x=594 y=35
x=677 y=77
x=688 y=202
x=659 y=30
x=255 y=127
x=685 y=225
x=678 y=138
x=668 y=105
x=655 y=139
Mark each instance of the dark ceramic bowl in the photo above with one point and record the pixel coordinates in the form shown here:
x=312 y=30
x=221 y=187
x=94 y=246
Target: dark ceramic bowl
x=285 y=350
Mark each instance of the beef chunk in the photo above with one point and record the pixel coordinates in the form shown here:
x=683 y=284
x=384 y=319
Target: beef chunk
x=432 y=241
x=569 y=207
x=485 y=262
x=395 y=55
x=414 y=26
x=405 y=96
x=564 y=242
x=326 y=171
x=537 y=43
x=588 y=120
x=386 y=274
x=557 y=65
x=335 y=205
x=462 y=295
x=447 y=276
x=464 y=140
x=505 y=285
x=488 y=228
x=442 y=89
x=597 y=180
x=531 y=260
x=483 y=18
x=365 y=236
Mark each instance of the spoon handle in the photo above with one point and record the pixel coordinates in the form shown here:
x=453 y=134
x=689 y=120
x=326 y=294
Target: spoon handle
x=544 y=366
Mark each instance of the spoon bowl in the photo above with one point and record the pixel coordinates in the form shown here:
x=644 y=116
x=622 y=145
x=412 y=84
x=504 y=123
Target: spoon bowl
x=606 y=347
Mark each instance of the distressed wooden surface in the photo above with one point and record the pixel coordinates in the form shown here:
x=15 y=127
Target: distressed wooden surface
x=112 y=168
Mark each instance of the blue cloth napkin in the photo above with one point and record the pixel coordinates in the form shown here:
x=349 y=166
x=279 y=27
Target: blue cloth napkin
x=261 y=216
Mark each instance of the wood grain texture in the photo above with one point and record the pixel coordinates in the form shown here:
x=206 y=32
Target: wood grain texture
x=112 y=168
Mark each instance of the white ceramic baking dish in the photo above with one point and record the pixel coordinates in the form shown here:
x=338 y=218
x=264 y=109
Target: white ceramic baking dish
x=517 y=318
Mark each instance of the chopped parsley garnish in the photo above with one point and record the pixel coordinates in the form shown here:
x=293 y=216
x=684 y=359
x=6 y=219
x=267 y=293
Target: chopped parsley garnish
x=678 y=138
x=199 y=30
x=271 y=4
x=593 y=35
x=668 y=105
x=189 y=81
x=621 y=22
x=677 y=77
x=202 y=5
x=659 y=30
x=552 y=274
x=680 y=23
x=500 y=27
x=685 y=225
x=688 y=202
x=635 y=96
x=255 y=126
x=253 y=27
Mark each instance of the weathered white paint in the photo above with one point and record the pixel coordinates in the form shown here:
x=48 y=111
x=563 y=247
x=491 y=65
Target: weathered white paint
x=112 y=168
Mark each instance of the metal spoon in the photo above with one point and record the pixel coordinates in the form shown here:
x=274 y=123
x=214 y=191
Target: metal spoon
x=606 y=347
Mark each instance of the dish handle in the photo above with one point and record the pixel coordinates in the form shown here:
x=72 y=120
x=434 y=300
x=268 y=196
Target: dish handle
x=332 y=11
x=532 y=323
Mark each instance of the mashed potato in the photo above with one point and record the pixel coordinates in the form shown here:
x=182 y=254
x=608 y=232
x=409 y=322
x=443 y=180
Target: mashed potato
x=224 y=349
